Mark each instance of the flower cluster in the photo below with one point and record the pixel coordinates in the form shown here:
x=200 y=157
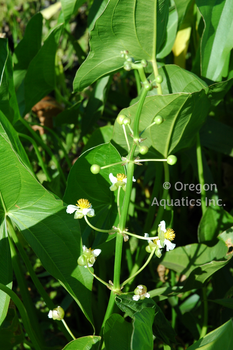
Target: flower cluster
x=140 y=293
x=88 y=258
x=57 y=314
x=163 y=239
x=81 y=209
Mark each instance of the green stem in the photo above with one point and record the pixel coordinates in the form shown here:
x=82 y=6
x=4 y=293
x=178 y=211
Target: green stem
x=33 y=275
x=139 y=237
x=137 y=79
x=41 y=163
x=58 y=141
x=142 y=268
x=126 y=137
x=154 y=62
x=201 y=174
x=46 y=148
x=98 y=278
x=23 y=314
x=23 y=287
x=108 y=166
x=68 y=330
x=205 y=313
x=95 y=228
x=130 y=129
x=118 y=201
x=149 y=160
x=138 y=113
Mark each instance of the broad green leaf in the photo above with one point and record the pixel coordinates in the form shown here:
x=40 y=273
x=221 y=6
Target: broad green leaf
x=216 y=42
x=161 y=327
x=51 y=232
x=96 y=10
x=29 y=46
x=83 y=343
x=8 y=101
x=83 y=184
x=183 y=115
x=217 y=136
x=70 y=7
x=182 y=7
x=122 y=27
x=213 y=222
x=227 y=238
x=224 y=302
x=220 y=338
x=142 y=336
x=40 y=76
x=100 y=135
x=184 y=259
x=117 y=333
x=5 y=267
x=189 y=303
x=171 y=33
x=95 y=105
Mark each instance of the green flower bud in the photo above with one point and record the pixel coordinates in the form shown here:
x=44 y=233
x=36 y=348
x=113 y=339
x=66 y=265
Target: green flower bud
x=144 y=63
x=130 y=60
x=126 y=121
x=148 y=86
x=148 y=249
x=158 y=120
x=95 y=169
x=120 y=118
x=143 y=149
x=171 y=160
x=159 y=79
x=127 y=66
x=82 y=261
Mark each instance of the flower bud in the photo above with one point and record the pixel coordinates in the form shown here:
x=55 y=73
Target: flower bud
x=120 y=119
x=127 y=66
x=130 y=60
x=144 y=63
x=95 y=169
x=148 y=86
x=171 y=160
x=126 y=121
x=159 y=79
x=143 y=149
x=57 y=314
x=158 y=120
x=82 y=261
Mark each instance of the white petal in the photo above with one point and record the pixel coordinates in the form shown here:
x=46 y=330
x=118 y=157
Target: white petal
x=162 y=226
x=158 y=243
x=96 y=252
x=112 y=178
x=91 y=213
x=136 y=297
x=125 y=180
x=147 y=295
x=134 y=180
x=89 y=265
x=50 y=315
x=169 y=245
x=85 y=248
x=71 y=208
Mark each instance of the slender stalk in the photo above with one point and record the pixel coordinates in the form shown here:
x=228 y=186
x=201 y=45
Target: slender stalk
x=67 y=328
x=154 y=62
x=108 y=166
x=201 y=174
x=205 y=313
x=98 y=278
x=46 y=148
x=140 y=237
x=138 y=112
x=24 y=315
x=41 y=163
x=149 y=160
x=137 y=79
x=130 y=129
x=118 y=201
x=142 y=268
x=96 y=228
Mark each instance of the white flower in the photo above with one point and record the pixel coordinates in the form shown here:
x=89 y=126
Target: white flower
x=118 y=181
x=167 y=236
x=81 y=209
x=56 y=314
x=90 y=255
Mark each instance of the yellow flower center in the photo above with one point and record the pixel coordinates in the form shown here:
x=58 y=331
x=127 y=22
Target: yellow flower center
x=83 y=204
x=170 y=234
x=121 y=177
